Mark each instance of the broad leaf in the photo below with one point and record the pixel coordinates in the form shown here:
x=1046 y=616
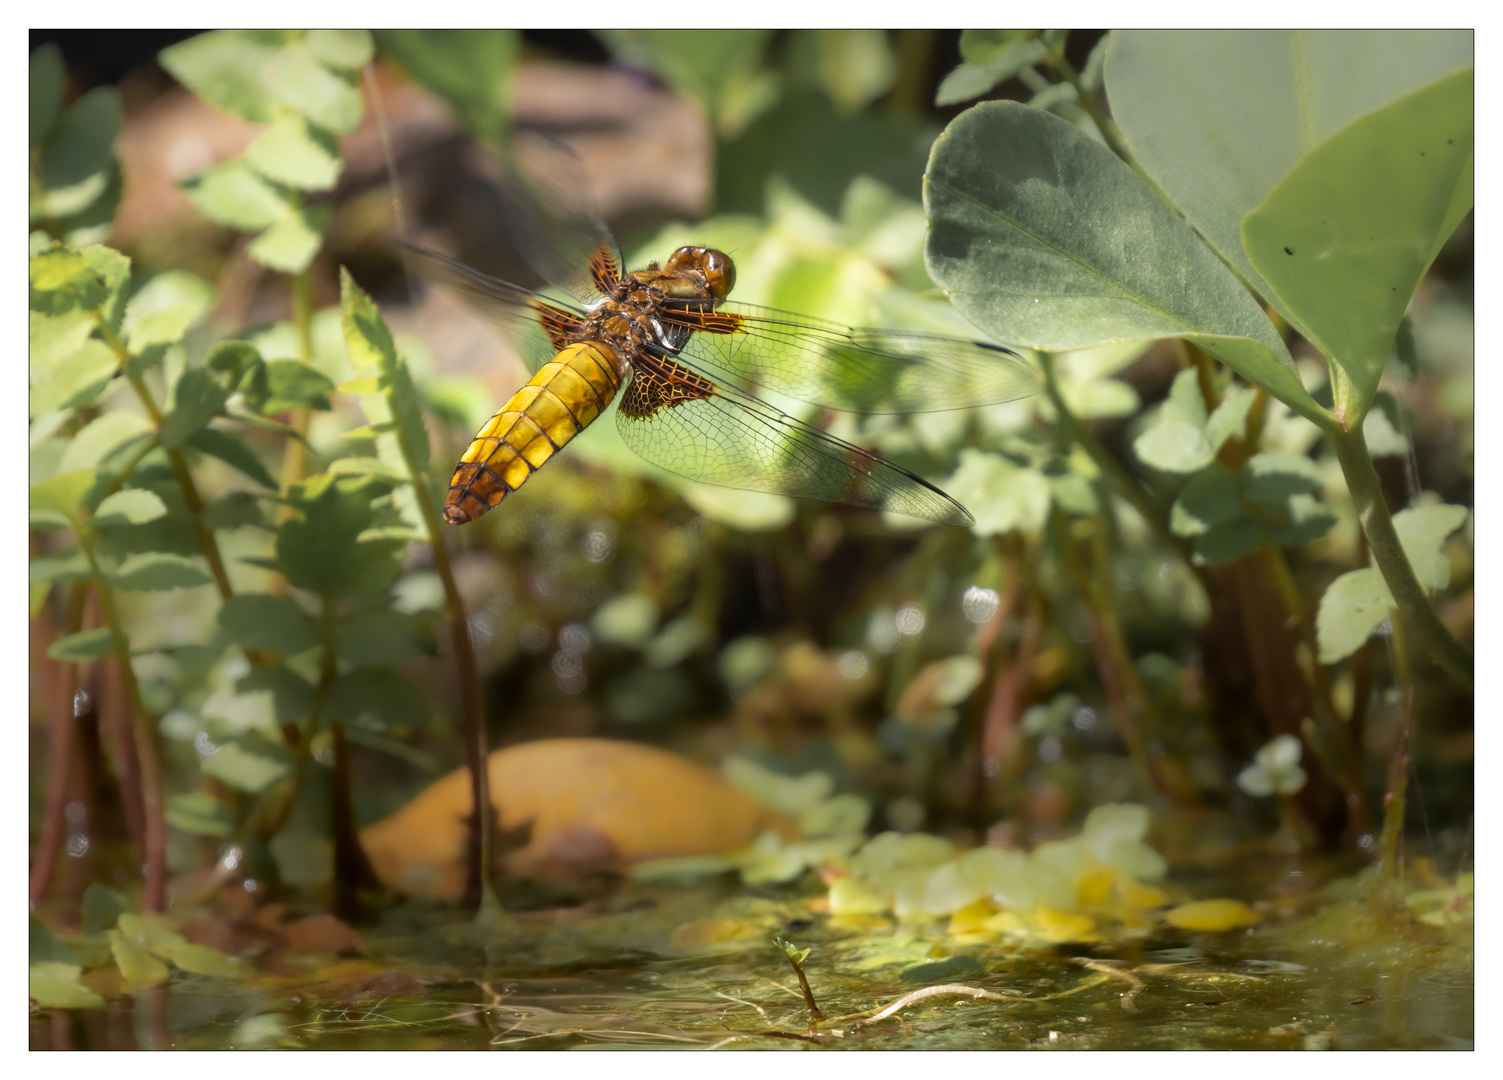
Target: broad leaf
x=202 y=815
x=318 y=551
x=44 y=91
x=76 y=381
x=348 y=49
x=64 y=493
x=1219 y=118
x=378 y=699
x=79 y=155
x=328 y=97
x=1353 y=606
x=1423 y=530
x=1039 y=235
x=101 y=437
x=249 y=762
x=290 y=244
x=377 y=637
x=197 y=398
x=230 y=450
x=1345 y=238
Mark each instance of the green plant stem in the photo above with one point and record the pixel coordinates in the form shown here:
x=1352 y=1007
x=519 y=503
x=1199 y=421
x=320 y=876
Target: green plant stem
x=1087 y=101
x=1121 y=481
x=1388 y=553
x=477 y=750
x=180 y=471
x=152 y=799
x=295 y=458
x=60 y=730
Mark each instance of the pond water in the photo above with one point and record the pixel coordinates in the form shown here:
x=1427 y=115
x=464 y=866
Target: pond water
x=695 y=968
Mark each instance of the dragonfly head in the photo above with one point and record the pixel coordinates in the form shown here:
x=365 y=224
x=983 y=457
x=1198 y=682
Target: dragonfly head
x=715 y=266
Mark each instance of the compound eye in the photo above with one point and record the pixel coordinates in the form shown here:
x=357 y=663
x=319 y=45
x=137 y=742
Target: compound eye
x=719 y=271
x=685 y=258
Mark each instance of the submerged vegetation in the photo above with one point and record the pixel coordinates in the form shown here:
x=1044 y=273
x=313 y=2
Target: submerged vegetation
x=1172 y=747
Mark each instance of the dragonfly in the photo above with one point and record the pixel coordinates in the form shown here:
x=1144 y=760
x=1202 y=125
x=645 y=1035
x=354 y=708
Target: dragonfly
x=688 y=368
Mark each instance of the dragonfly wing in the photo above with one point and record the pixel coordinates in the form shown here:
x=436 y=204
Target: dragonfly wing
x=535 y=323
x=860 y=369
x=681 y=421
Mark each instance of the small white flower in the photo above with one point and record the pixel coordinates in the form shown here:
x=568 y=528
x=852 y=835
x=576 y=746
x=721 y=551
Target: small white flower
x=1275 y=768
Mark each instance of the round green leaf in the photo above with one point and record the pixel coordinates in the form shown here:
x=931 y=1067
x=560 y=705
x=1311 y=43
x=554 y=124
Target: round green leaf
x=274 y=624
x=1353 y=606
x=1422 y=530
x=1219 y=118
x=1345 y=238
x=1043 y=237
x=1174 y=445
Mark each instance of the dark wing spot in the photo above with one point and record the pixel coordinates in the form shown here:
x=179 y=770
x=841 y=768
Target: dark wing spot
x=1288 y=251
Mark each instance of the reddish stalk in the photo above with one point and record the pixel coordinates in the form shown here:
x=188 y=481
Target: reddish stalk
x=60 y=740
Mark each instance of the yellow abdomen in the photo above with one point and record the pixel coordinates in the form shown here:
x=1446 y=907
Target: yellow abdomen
x=564 y=396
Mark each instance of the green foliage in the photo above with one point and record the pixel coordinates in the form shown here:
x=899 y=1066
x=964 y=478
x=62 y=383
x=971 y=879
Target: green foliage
x=1034 y=230
x=75 y=175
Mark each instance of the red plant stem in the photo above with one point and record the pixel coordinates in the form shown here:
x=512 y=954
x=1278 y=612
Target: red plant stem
x=351 y=867
x=60 y=731
x=117 y=728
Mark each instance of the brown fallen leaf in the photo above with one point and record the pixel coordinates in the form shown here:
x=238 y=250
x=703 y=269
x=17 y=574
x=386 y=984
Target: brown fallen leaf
x=571 y=807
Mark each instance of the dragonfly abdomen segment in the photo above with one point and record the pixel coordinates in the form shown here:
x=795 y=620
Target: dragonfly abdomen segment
x=564 y=397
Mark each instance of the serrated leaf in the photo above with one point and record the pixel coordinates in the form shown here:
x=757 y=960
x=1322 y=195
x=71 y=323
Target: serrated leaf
x=294 y=152
x=1352 y=607
x=224 y=67
x=75 y=381
x=102 y=437
x=290 y=244
x=274 y=624
x=249 y=762
x=234 y=194
x=1034 y=230
x=319 y=551
x=202 y=815
x=79 y=154
x=156 y=571
x=1271 y=477
x=54 y=338
x=133 y=506
x=233 y=452
x=369 y=344
x=327 y=97
x=378 y=699
x=1423 y=530
x=348 y=49
x=163 y=309
x=44 y=91
x=113 y=271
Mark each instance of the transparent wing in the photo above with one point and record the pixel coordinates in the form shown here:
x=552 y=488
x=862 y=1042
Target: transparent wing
x=531 y=319
x=722 y=436
x=861 y=369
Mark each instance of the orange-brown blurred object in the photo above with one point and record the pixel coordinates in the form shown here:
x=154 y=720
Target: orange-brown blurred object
x=579 y=806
